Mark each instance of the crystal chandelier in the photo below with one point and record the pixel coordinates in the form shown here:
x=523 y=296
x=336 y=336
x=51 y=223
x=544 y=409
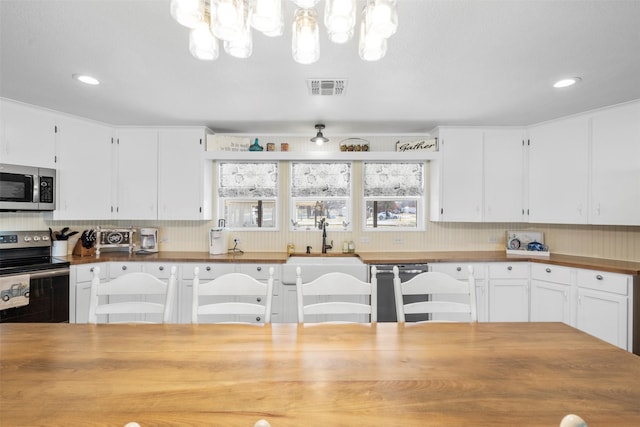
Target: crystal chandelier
x=232 y=21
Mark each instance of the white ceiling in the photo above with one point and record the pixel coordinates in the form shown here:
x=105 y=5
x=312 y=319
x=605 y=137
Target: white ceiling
x=452 y=62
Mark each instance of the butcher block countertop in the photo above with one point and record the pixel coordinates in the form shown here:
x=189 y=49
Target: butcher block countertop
x=613 y=266
x=385 y=374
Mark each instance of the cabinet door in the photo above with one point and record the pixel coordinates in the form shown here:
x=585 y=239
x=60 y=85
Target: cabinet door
x=185 y=289
x=550 y=302
x=508 y=300
x=509 y=292
x=83 y=151
x=461 y=175
x=162 y=271
x=181 y=178
x=615 y=171
x=460 y=272
x=27 y=135
x=504 y=172
x=604 y=315
x=558 y=172
x=117 y=269
x=137 y=174
x=80 y=295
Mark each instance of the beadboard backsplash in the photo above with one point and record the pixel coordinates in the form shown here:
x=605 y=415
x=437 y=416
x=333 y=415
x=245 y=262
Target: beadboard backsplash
x=610 y=242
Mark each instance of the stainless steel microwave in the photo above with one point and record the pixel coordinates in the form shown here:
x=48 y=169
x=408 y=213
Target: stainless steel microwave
x=27 y=188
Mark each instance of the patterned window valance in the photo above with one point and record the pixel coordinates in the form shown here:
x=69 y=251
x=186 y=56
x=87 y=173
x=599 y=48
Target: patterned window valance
x=321 y=179
x=393 y=179
x=248 y=180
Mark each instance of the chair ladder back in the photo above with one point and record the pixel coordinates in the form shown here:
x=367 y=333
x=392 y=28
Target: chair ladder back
x=233 y=285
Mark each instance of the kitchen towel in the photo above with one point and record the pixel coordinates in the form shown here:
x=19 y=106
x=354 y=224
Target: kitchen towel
x=14 y=291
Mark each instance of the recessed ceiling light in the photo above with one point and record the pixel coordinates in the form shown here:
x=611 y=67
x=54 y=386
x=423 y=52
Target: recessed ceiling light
x=86 y=79
x=566 y=82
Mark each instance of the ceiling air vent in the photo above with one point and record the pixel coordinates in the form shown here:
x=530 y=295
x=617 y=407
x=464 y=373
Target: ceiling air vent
x=332 y=87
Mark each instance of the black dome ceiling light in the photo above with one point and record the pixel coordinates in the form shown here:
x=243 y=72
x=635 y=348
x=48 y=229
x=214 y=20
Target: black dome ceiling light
x=319 y=138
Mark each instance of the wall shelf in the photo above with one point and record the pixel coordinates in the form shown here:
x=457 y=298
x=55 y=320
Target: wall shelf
x=322 y=155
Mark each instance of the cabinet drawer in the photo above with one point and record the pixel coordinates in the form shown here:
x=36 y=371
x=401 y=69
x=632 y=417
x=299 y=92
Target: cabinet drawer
x=159 y=270
x=207 y=271
x=459 y=270
x=84 y=273
x=506 y=270
x=552 y=273
x=117 y=269
x=602 y=281
x=259 y=271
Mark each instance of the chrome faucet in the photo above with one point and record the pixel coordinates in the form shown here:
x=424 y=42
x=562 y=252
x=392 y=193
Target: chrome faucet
x=323 y=224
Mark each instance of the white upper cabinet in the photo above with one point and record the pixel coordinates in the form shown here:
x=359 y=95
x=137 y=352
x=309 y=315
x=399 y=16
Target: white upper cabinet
x=136 y=167
x=504 y=175
x=480 y=176
x=456 y=179
x=558 y=171
x=27 y=135
x=83 y=151
x=615 y=166
x=184 y=178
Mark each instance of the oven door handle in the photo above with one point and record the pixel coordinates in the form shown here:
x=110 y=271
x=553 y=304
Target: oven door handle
x=49 y=273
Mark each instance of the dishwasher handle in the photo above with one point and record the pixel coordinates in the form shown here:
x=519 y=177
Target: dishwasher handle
x=401 y=271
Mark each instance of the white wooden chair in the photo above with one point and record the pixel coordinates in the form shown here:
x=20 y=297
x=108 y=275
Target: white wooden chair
x=340 y=288
x=446 y=295
x=136 y=297
x=230 y=299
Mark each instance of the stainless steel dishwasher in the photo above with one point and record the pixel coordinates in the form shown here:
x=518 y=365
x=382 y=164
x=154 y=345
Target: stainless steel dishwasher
x=386 y=296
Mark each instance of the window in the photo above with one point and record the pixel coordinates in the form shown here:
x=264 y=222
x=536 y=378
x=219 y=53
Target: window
x=320 y=190
x=393 y=195
x=248 y=194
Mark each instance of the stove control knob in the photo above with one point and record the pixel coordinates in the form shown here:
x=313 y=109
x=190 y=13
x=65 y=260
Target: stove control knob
x=45 y=238
x=27 y=238
x=36 y=238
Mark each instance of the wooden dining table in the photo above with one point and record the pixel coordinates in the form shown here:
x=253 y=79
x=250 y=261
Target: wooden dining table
x=385 y=374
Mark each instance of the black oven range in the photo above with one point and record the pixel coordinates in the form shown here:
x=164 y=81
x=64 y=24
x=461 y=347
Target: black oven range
x=34 y=286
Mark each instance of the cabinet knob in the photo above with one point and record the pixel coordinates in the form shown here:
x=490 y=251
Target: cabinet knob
x=259 y=299
x=208 y=268
x=161 y=268
x=459 y=269
x=124 y=267
x=258 y=318
x=509 y=268
x=599 y=277
x=548 y=270
x=259 y=268
x=91 y=270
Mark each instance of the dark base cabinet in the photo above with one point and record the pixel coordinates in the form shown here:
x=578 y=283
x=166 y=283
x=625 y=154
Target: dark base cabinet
x=48 y=303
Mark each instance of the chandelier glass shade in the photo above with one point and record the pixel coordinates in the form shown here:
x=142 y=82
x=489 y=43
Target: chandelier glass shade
x=232 y=21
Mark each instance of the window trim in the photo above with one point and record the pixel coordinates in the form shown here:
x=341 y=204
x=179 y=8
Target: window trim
x=293 y=199
x=421 y=201
x=220 y=200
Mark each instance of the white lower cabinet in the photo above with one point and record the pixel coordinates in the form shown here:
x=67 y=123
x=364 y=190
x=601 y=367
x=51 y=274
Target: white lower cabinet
x=210 y=271
x=261 y=272
x=596 y=302
x=552 y=294
x=117 y=269
x=461 y=272
x=80 y=278
x=509 y=292
x=207 y=271
x=604 y=307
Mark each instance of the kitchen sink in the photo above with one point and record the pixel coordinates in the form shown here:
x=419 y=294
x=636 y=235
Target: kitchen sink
x=324 y=260
x=313 y=267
